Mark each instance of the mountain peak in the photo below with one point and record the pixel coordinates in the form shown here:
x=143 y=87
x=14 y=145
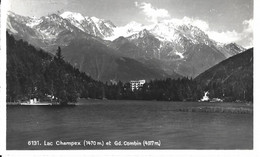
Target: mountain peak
x=10 y=13
x=144 y=32
x=72 y=15
x=235 y=47
x=110 y=23
x=52 y=16
x=95 y=19
x=120 y=41
x=141 y=34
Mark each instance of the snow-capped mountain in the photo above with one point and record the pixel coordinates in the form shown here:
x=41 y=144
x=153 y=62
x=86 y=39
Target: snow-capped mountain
x=169 y=45
x=46 y=32
x=168 y=40
x=147 y=42
x=84 y=51
x=184 y=48
x=125 y=31
x=172 y=35
x=91 y=25
x=166 y=30
x=169 y=31
x=176 y=35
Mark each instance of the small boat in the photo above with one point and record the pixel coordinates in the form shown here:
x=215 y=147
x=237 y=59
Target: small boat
x=35 y=102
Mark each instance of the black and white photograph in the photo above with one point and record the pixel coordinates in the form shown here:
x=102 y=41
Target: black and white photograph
x=129 y=75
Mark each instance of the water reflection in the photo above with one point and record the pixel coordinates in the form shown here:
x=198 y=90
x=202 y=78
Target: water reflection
x=176 y=130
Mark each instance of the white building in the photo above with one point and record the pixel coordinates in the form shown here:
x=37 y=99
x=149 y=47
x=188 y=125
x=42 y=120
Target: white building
x=136 y=84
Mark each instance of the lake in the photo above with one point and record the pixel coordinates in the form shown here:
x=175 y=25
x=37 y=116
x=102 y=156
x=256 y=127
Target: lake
x=125 y=125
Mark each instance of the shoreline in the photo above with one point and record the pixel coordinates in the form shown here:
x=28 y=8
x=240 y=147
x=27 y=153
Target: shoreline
x=209 y=107
x=39 y=104
x=206 y=107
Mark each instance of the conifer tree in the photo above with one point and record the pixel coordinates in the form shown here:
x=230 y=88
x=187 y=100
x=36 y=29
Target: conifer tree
x=58 y=54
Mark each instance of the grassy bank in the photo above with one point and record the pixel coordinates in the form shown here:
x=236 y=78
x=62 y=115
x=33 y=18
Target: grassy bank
x=214 y=109
x=225 y=107
x=12 y=103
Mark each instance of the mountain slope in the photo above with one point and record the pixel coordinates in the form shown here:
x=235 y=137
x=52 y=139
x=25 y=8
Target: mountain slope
x=105 y=64
x=200 y=57
x=232 y=77
x=127 y=48
x=183 y=57
x=131 y=50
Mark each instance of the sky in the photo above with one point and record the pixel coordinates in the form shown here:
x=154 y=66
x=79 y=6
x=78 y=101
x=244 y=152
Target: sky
x=223 y=20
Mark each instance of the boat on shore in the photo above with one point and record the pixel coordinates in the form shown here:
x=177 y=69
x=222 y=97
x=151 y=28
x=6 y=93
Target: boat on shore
x=35 y=102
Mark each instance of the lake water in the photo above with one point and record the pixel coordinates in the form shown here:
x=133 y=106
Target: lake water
x=125 y=121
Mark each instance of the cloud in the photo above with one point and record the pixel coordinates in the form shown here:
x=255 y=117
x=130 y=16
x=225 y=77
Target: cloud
x=248 y=32
x=203 y=25
x=248 y=26
x=224 y=37
x=151 y=12
x=154 y=14
x=245 y=37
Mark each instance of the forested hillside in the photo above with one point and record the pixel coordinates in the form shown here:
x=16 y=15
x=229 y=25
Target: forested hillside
x=231 y=79
x=35 y=73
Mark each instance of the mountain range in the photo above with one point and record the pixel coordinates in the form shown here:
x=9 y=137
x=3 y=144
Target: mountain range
x=108 y=52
